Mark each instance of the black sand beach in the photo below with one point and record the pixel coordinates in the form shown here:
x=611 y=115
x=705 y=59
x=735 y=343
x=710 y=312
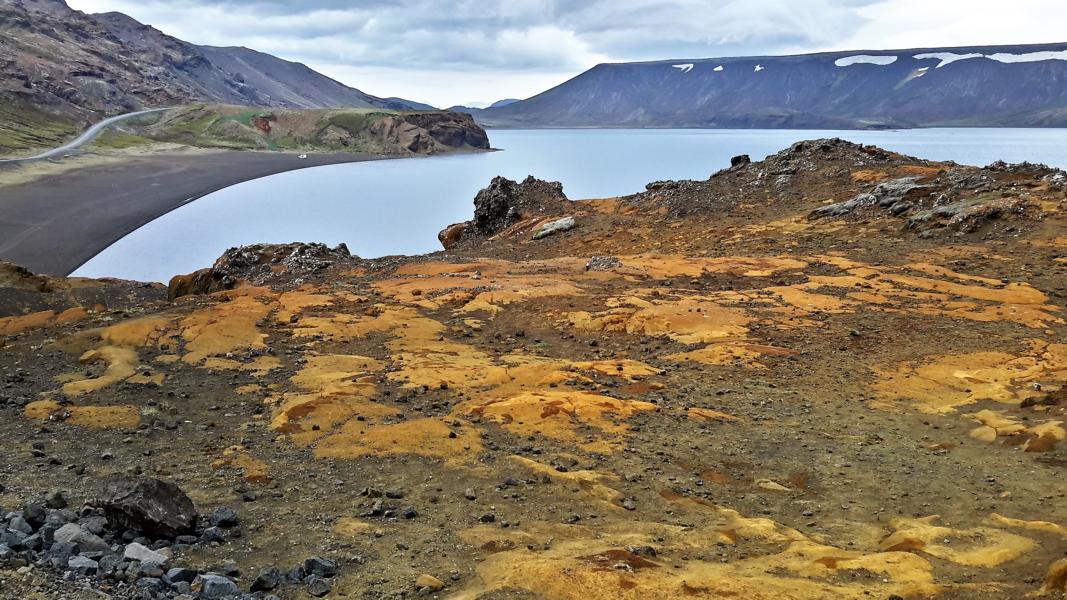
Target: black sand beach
x=54 y=224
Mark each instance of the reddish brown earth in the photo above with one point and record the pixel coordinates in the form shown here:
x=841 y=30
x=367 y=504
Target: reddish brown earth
x=701 y=391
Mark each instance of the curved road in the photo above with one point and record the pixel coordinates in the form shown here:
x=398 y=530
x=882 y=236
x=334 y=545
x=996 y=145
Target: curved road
x=85 y=137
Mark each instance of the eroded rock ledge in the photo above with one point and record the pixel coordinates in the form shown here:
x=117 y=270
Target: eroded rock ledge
x=506 y=207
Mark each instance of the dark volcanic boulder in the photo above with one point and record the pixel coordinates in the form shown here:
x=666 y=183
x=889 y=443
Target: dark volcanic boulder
x=151 y=506
x=503 y=204
x=506 y=202
x=256 y=263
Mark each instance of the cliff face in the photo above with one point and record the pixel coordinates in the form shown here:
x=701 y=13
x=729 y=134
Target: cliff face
x=1021 y=86
x=83 y=66
x=339 y=130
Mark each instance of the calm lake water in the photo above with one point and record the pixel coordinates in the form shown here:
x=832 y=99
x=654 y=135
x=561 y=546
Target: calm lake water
x=398 y=206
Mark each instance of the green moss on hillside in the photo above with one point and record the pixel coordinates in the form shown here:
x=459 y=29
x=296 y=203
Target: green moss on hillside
x=25 y=128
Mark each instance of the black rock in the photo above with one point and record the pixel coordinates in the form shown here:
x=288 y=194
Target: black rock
x=109 y=563
x=267 y=581
x=55 y=500
x=212 y=535
x=154 y=507
x=35 y=514
x=318 y=587
x=82 y=566
x=151 y=584
x=225 y=517
x=178 y=575
x=296 y=574
x=19 y=524
x=60 y=518
x=215 y=587
x=228 y=569
x=323 y=567
x=60 y=552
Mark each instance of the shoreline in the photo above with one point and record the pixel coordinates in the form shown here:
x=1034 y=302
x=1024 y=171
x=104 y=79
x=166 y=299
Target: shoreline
x=54 y=223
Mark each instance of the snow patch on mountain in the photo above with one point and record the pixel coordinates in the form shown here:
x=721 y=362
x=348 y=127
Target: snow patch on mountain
x=865 y=59
x=1006 y=57
x=947 y=58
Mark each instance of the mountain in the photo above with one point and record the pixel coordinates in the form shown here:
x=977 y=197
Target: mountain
x=477 y=109
x=411 y=104
x=83 y=66
x=1022 y=85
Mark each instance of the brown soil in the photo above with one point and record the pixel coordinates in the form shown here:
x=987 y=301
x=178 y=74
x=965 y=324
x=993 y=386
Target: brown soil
x=743 y=403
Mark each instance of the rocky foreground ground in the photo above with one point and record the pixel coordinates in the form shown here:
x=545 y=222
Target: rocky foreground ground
x=836 y=373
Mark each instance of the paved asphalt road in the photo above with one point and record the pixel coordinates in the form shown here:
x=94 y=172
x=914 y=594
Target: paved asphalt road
x=84 y=138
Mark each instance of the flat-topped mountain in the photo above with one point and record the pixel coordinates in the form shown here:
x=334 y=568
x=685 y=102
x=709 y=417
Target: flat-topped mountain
x=1020 y=86
x=79 y=65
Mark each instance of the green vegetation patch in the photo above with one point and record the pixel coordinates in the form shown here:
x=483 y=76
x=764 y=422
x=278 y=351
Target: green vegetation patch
x=26 y=128
x=356 y=122
x=118 y=140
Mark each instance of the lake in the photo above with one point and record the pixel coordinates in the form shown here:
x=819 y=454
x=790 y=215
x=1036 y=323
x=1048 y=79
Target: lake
x=389 y=207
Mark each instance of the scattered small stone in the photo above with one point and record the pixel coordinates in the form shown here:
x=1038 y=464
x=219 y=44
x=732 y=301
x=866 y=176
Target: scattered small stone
x=142 y=553
x=429 y=582
x=267 y=581
x=224 y=517
x=322 y=567
x=318 y=587
x=215 y=587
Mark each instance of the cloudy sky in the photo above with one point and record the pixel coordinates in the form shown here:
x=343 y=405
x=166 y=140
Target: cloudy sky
x=469 y=51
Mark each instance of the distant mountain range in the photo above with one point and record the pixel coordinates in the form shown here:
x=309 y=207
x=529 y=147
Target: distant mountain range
x=477 y=110
x=83 y=66
x=1021 y=86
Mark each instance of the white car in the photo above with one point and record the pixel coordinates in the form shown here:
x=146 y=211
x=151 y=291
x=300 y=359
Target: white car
x=302 y=156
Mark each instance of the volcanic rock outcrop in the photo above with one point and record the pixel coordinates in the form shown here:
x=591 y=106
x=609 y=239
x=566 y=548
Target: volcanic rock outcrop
x=700 y=390
x=508 y=206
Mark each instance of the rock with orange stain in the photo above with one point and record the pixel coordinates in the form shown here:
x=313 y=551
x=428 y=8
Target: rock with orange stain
x=350 y=527
x=253 y=470
x=122 y=365
x=689 y=320
x=92 y=417
x=593 y=564
x=946 y=383
x=590 y=483
x=975 y=547
x=1056 y=578
x=740 y=353
x=224 y=328
x=706 y=415
x=430 y=438
x=559 y=415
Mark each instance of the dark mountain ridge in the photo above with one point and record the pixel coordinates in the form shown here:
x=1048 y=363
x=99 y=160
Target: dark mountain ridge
x=1019 y=85
x=83 y=66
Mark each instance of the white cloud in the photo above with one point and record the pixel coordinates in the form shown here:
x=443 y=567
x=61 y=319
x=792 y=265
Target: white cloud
x=453 y=52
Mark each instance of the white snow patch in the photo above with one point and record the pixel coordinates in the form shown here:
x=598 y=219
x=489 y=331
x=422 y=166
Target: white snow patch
x=684 y=68
x=758 y=68
x=865 y=59
x=1006 y=57
x=718 y=69
x=947 y=58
